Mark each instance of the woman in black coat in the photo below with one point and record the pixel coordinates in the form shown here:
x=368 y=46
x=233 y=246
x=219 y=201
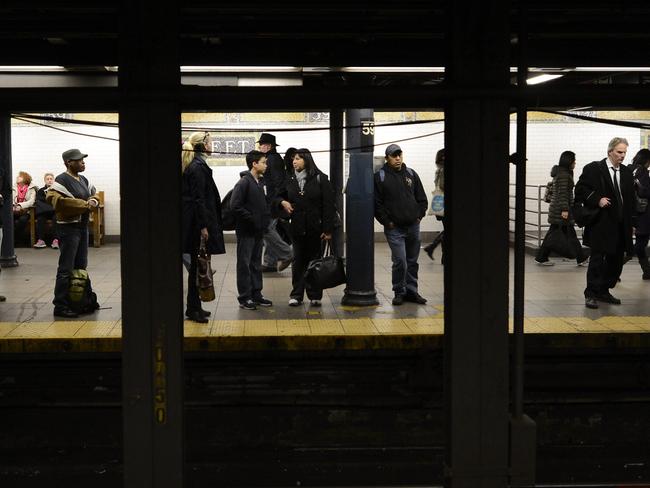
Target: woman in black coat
x=640 y=165
x=201 y=215
x=562 y=228
x=309 y=200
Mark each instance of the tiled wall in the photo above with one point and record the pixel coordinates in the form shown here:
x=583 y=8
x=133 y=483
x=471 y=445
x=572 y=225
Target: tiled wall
x=38 y=150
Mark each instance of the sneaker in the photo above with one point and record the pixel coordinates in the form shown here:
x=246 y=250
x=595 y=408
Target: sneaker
x=248 y=305
x=544 y=263
x=282 y=265
x=591 y=302
x=40 y=244
x=294 y=302
x=398 y=300
x=262 y=302
x=415 y=298
x=608 y=298
x=315 y=303
x=65 y=312
x=55 y=244
x=584 y=262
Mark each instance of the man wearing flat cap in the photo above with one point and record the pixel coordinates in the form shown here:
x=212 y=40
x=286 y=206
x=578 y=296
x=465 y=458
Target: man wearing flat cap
x=71 y=195
x=400 y=204
x=277 y=253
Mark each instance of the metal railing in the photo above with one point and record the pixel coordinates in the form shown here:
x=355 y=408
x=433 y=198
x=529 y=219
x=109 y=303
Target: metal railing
x=537 y=227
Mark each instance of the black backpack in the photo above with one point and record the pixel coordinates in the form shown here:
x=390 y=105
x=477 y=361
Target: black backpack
x=81 y=296
x=227 y=215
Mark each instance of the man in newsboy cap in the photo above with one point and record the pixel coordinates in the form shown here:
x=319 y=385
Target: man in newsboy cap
x=71 y=195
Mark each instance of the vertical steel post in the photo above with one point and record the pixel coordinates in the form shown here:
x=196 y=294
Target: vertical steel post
x=7 y=253
x=360 y=210
x=336 y=174
x=152 y=302
x=522 y=428
x=476 y=256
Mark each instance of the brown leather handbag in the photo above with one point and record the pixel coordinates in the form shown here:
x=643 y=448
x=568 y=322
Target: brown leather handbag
x=204 y=281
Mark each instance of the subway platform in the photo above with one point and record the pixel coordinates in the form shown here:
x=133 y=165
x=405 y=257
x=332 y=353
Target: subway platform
x=554 y=305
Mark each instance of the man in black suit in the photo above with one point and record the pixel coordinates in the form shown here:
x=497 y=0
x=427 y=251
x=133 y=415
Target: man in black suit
x=607 y=185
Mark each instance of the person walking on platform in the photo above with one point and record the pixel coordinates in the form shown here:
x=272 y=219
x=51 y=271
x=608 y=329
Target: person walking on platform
x=400 y=204
x=607 y=187
x=278 y=254
x=201 y=215
x=309 y=200
x=561 y=236
x=439 y=182
x=71 y=195
x=249 y=205
x=640 y=165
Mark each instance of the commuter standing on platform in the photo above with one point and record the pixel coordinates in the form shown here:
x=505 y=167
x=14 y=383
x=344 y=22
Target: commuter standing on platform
x=640 y=165
x=3 y=187
x=71 y=195
x=309 y=199
x=439 y=182
x=250 y=207
x=562 y=228
x=201 y=215
x=400 y=204
x=278 y=254
x=607 y=186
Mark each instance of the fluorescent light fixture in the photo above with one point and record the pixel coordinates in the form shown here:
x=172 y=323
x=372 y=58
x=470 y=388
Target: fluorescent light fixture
x=240 y=69
x=603 y=68
x=536 y=80
x=393 y=69
x=23 y=69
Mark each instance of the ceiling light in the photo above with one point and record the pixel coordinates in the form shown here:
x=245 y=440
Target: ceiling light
x=22 y=69
x=536 y=80
x=240 y=69
x=393 y=69
x=602 y=68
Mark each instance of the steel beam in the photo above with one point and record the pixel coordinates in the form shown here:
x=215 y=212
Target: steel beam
x=476 y=249
x=152 y=303
x=8 y=257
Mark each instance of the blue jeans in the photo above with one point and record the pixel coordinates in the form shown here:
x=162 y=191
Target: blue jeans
x=73 y=254
x=249 y=267
x=404 y=243
x=276 y=248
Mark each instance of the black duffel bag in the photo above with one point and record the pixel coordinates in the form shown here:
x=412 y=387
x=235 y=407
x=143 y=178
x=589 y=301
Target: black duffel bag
x=326 y=272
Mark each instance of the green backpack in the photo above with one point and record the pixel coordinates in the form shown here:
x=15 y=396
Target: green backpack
x=80 y=295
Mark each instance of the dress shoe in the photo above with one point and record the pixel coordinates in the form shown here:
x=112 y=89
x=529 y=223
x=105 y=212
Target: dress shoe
x=608 y=298
x=205 y=313
x=65 y=312
x=591 y=302
x=398 y=300
x=415 y=298
x=284 y=264
x=197 y=316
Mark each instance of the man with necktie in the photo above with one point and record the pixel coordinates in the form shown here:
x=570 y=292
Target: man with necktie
x=609 y=186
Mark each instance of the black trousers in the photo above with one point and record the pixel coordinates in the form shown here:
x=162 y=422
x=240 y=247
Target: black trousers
x=640 y=245
x=41 y=221
x=193 y=300
x=545 y=250
x=605 y=269
x=305 y=249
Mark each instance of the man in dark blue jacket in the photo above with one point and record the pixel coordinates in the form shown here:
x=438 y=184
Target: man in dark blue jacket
x=400 y=204
x=249 y=205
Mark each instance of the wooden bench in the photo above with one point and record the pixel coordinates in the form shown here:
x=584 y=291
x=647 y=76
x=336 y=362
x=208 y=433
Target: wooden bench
x=96 y=222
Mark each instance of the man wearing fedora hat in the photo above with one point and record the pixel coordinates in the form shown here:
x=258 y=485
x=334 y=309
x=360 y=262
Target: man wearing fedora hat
x=71 y=195
x=277 y=254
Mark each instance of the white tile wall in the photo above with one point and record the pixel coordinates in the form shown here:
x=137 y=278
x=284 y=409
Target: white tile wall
x=38 y=150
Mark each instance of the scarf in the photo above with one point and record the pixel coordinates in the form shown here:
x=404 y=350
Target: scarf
x=22 y=193
x=301 y=178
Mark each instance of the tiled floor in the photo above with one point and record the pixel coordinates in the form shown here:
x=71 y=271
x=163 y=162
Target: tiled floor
x=554 y=302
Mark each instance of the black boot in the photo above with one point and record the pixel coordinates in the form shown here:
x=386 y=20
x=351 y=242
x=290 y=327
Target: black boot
x=645 y=266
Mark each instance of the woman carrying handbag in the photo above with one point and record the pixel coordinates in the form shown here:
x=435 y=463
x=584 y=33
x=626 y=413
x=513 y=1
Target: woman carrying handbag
x=561 y=236
x=309 y=200
x=201 y=217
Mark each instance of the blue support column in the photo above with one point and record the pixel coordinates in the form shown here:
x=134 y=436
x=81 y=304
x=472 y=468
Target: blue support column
x=360 y=210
